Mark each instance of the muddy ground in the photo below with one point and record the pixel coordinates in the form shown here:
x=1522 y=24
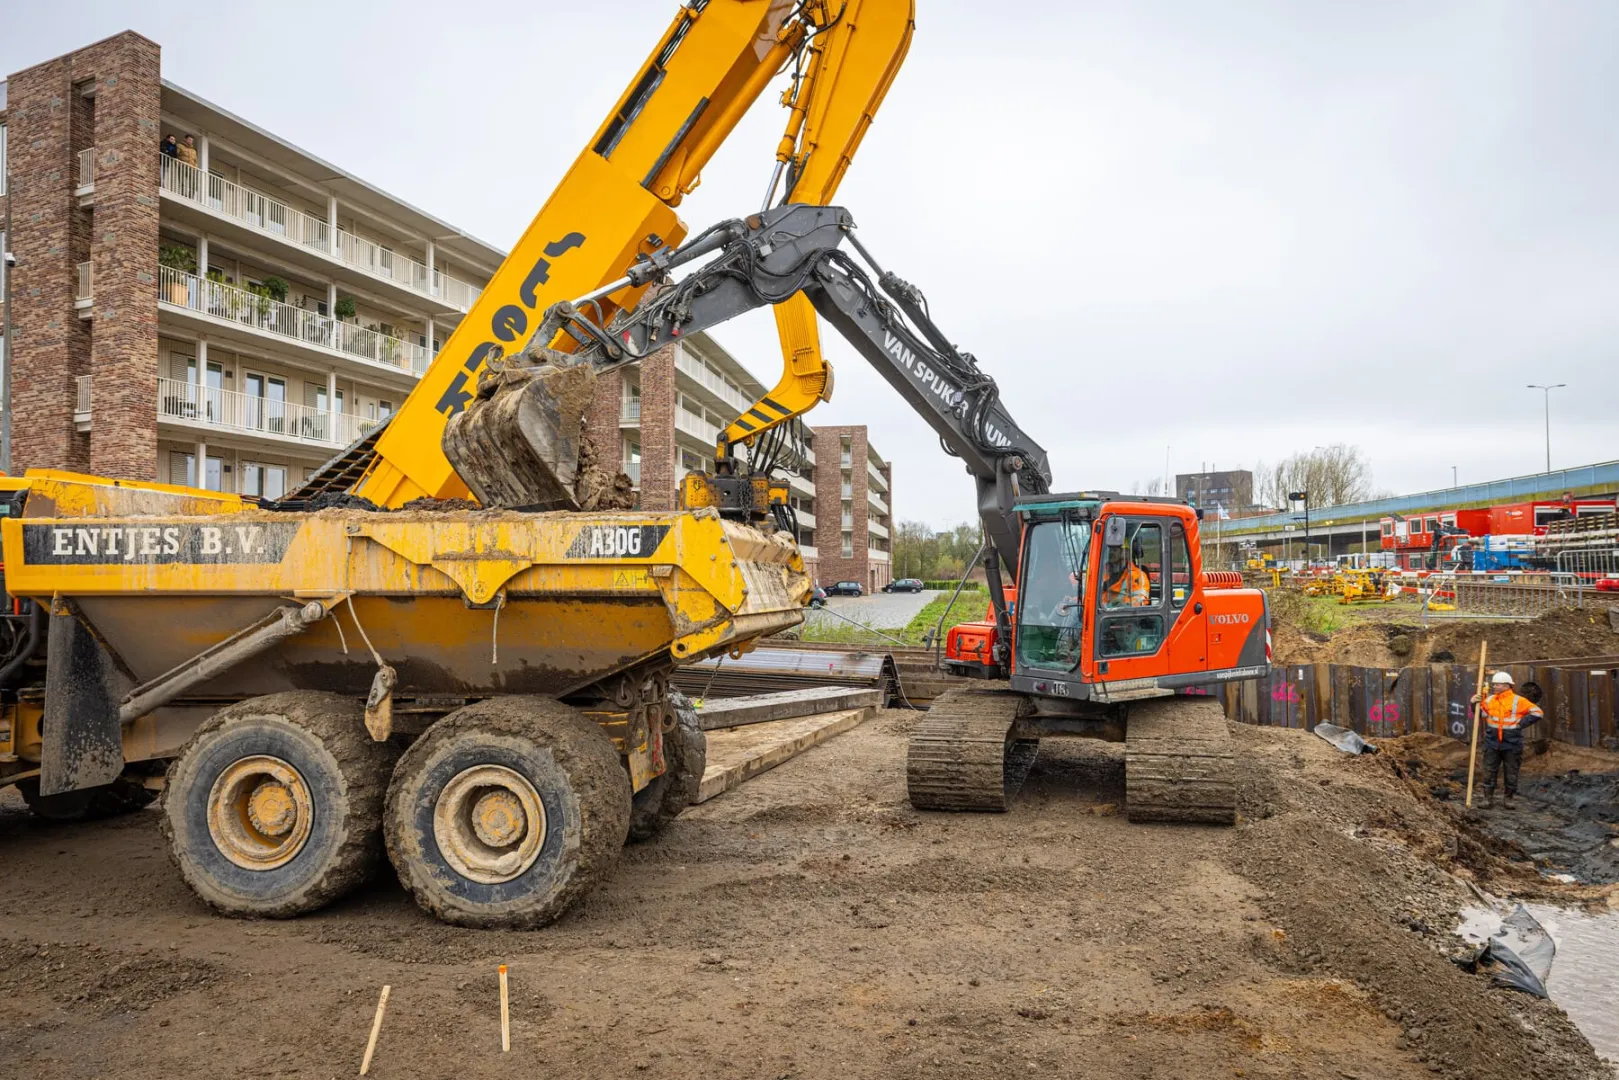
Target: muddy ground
x=1394 y=636
x=810 y=924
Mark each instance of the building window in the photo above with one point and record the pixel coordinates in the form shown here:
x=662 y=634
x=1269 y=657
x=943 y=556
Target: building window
x=185 y=466
x=265 y=481
x=2 y=159
x=848 y=545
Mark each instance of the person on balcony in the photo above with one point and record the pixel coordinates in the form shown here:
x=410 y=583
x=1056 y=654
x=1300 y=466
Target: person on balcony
x=169 y=147
x=187 y=151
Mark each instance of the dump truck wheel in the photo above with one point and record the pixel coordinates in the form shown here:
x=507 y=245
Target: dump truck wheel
x=124 y=795
x=685 y=752
x=274 y=807
x=506 y=811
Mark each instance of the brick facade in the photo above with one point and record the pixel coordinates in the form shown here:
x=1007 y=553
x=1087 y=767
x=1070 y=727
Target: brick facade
x=832 y=563
x=659 y=452
x=106 y=97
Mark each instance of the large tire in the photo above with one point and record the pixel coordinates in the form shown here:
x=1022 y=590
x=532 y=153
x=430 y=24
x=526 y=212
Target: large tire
x=529 y=754
x=685 y=751
x=326 y=837
x=124 y=795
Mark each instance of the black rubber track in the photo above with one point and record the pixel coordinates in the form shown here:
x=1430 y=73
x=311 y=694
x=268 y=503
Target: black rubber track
x=580 y=779
x=962 y=757
x=1178 y=762
x=323 y=736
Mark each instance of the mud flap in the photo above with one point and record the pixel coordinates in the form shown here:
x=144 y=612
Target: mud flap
x=84 y=742
x=517 y=443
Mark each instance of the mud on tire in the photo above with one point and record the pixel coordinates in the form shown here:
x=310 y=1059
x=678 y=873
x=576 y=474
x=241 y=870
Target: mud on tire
x=560 y=760
x=343 y=774
x=685 y=752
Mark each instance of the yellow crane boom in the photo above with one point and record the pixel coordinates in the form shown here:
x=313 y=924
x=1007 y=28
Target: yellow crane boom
x=616 y=202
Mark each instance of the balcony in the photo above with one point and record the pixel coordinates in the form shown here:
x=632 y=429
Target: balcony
x=696 y=426
x=876 y=555
x=632 y=469
x=209 y=407
x=81 y=402
x=806 y=519
x=876 y=501
x=877 y=480
x=848 y=491
x=84 y=291
x=219 y=199
x=705 y=377
x=808 y=551
x=877 y=528
x=86 y=190
x=629 y=413
x=801 y=485
x=848 y=521
x=215 y=304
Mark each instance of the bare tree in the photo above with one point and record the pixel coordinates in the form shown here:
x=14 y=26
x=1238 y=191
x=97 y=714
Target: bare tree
x=1333 y=475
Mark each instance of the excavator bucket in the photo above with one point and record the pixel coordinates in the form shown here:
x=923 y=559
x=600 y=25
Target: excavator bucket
x=520 y=441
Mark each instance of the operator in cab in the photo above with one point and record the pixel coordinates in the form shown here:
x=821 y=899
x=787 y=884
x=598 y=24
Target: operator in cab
x=1505 y=715
x=1124 y=583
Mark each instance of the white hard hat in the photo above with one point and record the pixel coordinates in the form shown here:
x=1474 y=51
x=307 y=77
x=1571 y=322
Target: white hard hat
x=1501 y=678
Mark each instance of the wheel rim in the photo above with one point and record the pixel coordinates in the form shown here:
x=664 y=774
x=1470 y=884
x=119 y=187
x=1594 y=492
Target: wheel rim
x=489 y=823
x=260 y=812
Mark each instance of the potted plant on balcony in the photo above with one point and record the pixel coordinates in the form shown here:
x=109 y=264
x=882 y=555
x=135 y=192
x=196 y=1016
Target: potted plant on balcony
x=277 y=287
x=344 y=308
x=182 y=260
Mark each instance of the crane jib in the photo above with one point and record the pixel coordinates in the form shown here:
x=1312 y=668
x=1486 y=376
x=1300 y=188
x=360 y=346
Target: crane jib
x=508 y=325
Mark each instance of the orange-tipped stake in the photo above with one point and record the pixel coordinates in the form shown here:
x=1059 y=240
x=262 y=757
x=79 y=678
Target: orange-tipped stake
x=505 y=1015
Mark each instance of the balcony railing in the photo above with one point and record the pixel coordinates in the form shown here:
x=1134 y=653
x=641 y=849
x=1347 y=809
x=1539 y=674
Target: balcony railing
x=877 y=501
x=848 y=491
x=696 y=426
x=231 y=410
x=629 y=412
x=288 y=223
x=705 y=375
x=85 y=289
x=221 y=301
x=87 y=168
x=877 y=477
x=632 y=469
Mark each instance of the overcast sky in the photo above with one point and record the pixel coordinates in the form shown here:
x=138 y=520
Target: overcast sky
x=1228 y=231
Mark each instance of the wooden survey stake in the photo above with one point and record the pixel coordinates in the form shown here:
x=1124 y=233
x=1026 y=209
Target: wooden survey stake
x=505 y=1015
x=1478 y=709
x=376 y=1029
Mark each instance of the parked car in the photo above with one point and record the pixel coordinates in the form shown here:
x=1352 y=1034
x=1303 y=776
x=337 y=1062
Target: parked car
x=904 y=584
x=819 y=599
x=845 y=588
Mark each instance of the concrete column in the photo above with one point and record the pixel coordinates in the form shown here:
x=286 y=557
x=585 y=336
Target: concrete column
x=202 y=256
x=331 y=406
x=331 y=311
x=331 y=223
x=200 y=472
x=430 y=291
x=202 y=154
x=430 y=330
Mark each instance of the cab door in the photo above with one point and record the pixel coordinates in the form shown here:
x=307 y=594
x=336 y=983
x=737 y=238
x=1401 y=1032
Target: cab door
x=1148 y=622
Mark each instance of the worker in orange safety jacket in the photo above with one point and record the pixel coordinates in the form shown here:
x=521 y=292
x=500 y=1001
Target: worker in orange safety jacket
x=1124 y=584
x=1504 y=714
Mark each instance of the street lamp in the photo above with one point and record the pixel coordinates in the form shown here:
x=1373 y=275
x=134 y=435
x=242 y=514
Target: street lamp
x=1303 y=497
x=1548 y=392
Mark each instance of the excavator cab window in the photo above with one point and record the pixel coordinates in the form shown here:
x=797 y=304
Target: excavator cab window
x=1132 y=592
x=1051 y=609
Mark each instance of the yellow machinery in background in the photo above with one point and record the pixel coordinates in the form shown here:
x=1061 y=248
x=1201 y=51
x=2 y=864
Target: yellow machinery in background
x=485 y=690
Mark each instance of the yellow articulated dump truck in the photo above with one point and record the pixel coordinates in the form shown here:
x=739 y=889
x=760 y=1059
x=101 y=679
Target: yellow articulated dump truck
x=284 y=660
x=375 y=663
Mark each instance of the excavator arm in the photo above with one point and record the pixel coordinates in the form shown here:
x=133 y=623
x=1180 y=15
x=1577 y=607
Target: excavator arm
x=616 y=202
x=792 y=251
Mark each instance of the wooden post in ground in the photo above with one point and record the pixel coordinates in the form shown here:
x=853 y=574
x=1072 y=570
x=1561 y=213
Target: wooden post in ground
x=505 y=1015
x=1478 y=709
x=376 y=1029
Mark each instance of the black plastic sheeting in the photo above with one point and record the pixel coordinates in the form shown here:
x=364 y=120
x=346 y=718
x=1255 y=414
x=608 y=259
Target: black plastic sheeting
x=1344 y=739
x=1519 y=955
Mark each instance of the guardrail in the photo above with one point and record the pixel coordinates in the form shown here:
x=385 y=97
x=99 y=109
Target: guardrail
x=232 y=410
x=275 y=218
x=85 y=289
x=81 y=395
x=87 y=167
x=228 y=302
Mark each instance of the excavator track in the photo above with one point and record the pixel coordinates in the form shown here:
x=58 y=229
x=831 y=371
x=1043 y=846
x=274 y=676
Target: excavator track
x=1178 y=762
x=962 y=756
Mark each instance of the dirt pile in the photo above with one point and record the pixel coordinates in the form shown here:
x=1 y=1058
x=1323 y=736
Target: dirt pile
x=1398 y=643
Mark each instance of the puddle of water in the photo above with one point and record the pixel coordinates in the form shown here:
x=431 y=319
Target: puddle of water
x=1584 y=976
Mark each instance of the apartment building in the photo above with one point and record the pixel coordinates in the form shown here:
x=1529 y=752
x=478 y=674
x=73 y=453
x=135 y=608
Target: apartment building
x=225 y=315
x=668 y=412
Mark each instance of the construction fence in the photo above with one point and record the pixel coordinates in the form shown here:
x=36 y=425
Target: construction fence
x=1578 y=696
